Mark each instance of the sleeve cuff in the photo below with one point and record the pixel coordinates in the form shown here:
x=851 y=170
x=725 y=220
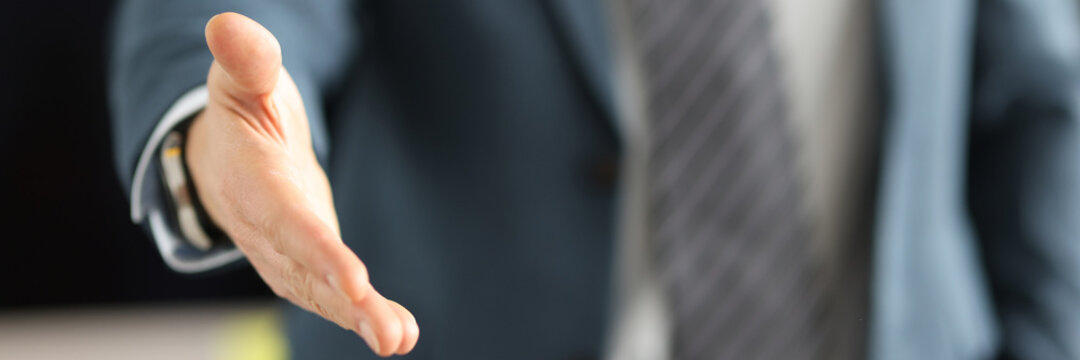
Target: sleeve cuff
x=190 y=103
x=147 y=204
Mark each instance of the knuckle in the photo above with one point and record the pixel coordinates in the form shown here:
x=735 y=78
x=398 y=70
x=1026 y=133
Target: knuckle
x=331 y=316
x=317 y=308
x=307 y=281
x=273 y=235
x=301 y=298
x=293 y=275
x=289 y=271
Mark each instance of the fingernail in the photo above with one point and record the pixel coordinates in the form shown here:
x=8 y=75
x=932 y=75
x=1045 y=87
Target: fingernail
x=336 y=285
x=369 y=336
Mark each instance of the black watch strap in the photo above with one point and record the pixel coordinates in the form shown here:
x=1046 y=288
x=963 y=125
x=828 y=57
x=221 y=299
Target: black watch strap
x=191 y=218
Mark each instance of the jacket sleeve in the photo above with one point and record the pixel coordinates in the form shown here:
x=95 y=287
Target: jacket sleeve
x=158 y=63
x=1024 y=175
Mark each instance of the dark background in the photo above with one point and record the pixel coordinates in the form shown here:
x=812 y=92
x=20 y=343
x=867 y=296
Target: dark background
x=65 y=235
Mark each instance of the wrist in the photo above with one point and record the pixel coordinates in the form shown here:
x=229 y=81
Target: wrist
x=195 y=160
x=189 y=213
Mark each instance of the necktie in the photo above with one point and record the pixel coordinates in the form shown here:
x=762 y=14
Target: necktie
x=723 y=192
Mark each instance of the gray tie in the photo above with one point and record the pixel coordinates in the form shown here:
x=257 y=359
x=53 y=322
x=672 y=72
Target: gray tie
x=723 y=191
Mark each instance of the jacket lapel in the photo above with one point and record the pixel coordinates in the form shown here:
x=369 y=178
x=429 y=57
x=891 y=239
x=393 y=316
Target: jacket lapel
x=582 y=27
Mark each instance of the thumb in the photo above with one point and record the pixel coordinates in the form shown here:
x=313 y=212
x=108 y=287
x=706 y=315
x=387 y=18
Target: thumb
x=249 y=54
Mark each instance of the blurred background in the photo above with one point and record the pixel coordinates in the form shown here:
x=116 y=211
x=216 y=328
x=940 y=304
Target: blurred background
x=70 y=256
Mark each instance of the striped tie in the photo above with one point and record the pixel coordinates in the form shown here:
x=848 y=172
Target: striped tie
x=723 y=191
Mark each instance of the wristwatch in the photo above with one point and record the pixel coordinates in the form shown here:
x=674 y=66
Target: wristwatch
x=195 y=225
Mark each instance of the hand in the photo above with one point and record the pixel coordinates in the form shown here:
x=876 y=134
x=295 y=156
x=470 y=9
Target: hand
x=250 y=156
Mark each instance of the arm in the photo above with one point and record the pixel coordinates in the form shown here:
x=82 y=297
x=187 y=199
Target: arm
x=159 y=58
x=159 y=54
x=252 y=149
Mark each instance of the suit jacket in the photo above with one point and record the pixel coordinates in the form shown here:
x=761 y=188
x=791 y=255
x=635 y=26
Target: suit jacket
x=976 y=251
x=469 y=144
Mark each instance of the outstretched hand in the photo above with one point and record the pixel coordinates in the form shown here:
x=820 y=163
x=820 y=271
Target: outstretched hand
x=250 y=156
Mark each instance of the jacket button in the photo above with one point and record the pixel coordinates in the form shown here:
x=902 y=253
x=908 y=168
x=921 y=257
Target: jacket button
x=603 y=171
